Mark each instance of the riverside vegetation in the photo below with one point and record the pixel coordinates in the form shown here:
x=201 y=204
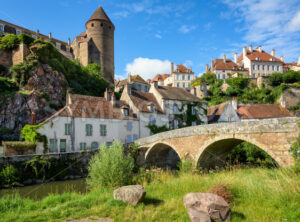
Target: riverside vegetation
x=255 y=194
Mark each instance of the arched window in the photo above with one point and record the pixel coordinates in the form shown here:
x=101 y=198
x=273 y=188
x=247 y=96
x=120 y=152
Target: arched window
x=94 y=146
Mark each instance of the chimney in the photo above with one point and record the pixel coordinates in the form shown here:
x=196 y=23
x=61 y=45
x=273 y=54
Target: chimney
x=50 y=35
x=244 y=52
x=37 y=31
x=259 y=48
x=211 y=66
x=113 y=99
x=33 y=118
x=234 y=103
x=235 y=57
x=207 y=68
x=108 y=94
x=298 y=61
x=69 y=41
x=172 y=67
x=281 y=58
x=224 y=58
x=273 y=52
x=129 y=78
x=250 y=48
x=68 y=98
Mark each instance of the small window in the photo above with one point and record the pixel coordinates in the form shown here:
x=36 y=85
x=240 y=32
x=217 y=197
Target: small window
x=268 y=67
x=94 y=146
x=277 y=68
x=183 y=85
x=183 y=77
x=103 y=131
x=82 y=146
x=189 y=77
x=193 y=110
x=128 y=138
x=152 y=120
x=53 y=146
x=129 y=125
x=263 y=67
x=175 y=124
x=253 y=67
x=152 y=108
x=258 y=67
x=273 y=68
x=63 y=145
x=194 y=123
x=92 y=25
x=178 y=85
x=175 y=109
x=109 y=27
x=134 y=137
x=126 y=112
x=101 y=24
x=88 y=130
x=67 y=129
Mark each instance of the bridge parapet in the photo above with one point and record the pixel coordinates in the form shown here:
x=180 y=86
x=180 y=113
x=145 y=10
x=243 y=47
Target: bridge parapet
x=274 y=125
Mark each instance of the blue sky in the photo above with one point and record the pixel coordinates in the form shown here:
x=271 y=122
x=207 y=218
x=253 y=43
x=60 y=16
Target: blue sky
x=151 y=33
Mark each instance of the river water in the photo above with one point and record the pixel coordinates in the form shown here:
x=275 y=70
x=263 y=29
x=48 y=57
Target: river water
x=42 y=190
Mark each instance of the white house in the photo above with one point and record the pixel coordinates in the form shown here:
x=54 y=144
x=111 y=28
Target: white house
x=258 y=62
x=86 y=122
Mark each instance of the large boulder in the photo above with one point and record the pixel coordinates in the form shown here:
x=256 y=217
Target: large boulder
x=206 y=207
x=132 y=194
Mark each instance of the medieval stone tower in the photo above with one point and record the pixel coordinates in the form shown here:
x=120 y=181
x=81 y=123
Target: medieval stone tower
x=96 y=44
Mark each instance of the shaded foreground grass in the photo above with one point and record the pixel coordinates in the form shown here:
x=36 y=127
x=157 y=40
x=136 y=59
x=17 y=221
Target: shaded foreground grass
x=258 y=195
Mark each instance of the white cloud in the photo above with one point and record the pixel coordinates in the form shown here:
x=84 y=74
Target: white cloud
x=120 y=14
x=270 y=23
x=188 y=63
x=186 y=29
x=148 y=68
x=158 y=36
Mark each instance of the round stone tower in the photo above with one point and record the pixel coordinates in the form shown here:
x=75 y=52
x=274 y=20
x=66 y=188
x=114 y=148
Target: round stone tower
x=100 y=35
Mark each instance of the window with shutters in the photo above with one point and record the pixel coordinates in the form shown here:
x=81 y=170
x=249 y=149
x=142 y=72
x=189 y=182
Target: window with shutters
x=103 y=131
x=63 y=145
x=83 y=146
x=53 y=146
x=89 y=130
x=67 y=129
x=134 y=138
x=94 y=146
x=129 y=125
x=128 y=138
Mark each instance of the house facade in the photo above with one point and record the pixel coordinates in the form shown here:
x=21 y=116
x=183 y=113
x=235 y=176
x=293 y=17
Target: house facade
x=135 y=82
x=86 y=122
x=260 y=63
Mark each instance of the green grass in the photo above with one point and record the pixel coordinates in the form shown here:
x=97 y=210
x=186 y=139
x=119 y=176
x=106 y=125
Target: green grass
x=258 y=195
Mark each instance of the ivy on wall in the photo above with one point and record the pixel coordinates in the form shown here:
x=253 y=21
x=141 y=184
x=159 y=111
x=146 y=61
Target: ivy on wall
x=157 y=129
x=187 y=116
x=29 y=134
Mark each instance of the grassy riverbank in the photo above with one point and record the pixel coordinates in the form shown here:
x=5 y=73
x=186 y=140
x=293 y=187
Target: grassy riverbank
x=258 y=195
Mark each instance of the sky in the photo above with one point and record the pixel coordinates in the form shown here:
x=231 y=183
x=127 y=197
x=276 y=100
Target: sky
x=150 y=34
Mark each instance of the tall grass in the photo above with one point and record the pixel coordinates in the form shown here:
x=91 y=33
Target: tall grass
x=258 y=195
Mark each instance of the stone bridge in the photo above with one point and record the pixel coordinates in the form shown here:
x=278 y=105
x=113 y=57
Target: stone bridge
x=209 y=145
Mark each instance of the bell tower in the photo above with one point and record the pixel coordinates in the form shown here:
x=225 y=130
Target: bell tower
x=100 y=37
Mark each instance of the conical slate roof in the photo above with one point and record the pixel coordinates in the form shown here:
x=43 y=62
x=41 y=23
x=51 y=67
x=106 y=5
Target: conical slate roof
x=99 y=14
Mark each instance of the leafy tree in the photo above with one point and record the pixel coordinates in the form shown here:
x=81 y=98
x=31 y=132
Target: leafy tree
x=208 y=78
x=275 y=79
x=236 y=86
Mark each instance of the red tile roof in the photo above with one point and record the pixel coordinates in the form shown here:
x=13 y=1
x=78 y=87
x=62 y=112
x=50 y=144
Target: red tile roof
x=263 y=56
x=143 y=100
x=260 y=111
x=92 y=107
x=160 y=77
x=228 y=65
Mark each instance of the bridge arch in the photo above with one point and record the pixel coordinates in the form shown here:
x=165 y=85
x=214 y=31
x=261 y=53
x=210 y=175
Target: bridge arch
x=162 y=155
x=215 y=151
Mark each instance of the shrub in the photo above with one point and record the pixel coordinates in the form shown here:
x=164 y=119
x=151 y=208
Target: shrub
x=110 y=167
x=275 y=79
x=26 y=39
x=8 y=85
x=9 y=42
x=222 y=191
x=29 y=134
x=185 y=165
x=22 y=72
x=39 y=165
x=9 y=176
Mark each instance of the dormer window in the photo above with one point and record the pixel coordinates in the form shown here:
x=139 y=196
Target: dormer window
x=257 y=58
x=126 y=112
x=272 y=59
x=82 y=110
x=152 y=108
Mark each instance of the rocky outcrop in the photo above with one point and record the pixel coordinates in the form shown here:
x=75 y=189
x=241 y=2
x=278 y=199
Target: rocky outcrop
x=290 y=97
x=132 y=194
x=206 y=207
x=44 y=93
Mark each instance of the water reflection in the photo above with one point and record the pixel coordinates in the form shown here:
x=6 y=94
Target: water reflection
x=42 y=190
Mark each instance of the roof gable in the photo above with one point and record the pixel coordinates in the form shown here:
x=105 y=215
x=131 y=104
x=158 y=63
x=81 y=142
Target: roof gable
x=174 y=93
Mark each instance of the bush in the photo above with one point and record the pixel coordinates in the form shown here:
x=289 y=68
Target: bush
x=39 y=165
x=9 y=42
x=275 y=79
x=9 y=176
x=26 y=39
x=7 y=85
x=185 y=165
x=110 y=167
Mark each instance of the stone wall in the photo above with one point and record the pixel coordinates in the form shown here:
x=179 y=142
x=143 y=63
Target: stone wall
x=5 y=58
x=19 y=54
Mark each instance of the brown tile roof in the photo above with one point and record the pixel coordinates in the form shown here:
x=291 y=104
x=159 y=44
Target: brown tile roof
x=134 y=78
x=260 y=111
x=142 y=100
x=92 y=107
x=263 y=56
x=99 y=14
x=174 y=93
x=182 y=68
x=229 y=65
x=214 y=112
x=160 y=77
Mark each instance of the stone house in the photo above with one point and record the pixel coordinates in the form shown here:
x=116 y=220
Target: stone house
x=135 y=82
x=259 y=62
x=175 y=102
x=86 y=122
x=226 y=68
x=181 y=77
x=230 y=111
